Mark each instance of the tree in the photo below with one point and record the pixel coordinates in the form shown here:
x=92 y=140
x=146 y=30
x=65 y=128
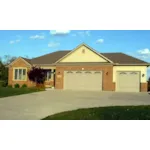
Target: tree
x=37 y=75
x=149 y=84
x=3 y=74
x=8 y=59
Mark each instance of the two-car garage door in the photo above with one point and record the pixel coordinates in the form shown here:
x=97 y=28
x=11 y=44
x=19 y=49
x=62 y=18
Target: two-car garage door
x=83 y=80
x=128 y=81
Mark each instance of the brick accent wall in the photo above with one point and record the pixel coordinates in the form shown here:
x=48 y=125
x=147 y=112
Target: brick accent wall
x=114 y=86
x=107 y=84
x=144 y=87
x=19 y=63
x=49 y=83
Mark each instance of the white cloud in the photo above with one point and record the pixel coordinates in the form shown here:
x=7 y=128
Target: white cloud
x=145 y=51
x=82 y=33
x=100 y=41
x=14 y=41
x=53 y=44
x=59 y=32
x=37 y=37
x=11 y=42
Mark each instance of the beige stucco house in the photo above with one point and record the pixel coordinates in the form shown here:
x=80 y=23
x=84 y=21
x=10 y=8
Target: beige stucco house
x=83 y=68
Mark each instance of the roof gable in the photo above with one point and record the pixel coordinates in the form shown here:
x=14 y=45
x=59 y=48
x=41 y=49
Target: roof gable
x=83 y=53
x=26 y=61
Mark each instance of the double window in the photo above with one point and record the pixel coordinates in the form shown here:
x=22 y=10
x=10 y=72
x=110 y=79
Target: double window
x=20 y=74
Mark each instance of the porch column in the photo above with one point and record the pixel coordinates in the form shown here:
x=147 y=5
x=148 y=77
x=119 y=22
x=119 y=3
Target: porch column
x=52 y=74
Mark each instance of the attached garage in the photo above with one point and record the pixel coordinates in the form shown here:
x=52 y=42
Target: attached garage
x=128 y=81
x=83 y=80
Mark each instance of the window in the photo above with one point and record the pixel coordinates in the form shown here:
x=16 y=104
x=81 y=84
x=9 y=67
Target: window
x=20 y=74
x=48 y=75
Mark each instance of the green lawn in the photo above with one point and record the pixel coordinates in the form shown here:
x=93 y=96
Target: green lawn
x=4 y=91
x=105 y=113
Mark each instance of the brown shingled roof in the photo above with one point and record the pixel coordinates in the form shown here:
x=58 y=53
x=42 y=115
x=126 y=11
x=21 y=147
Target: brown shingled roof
x=122 y=58
x=26 y=59
x=51 y=58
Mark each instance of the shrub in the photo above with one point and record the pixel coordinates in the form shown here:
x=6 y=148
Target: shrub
x=3 y=83
x=40 y=87
x=24 y=86
x=16 y=85
x=9 y=86
x=37 y=75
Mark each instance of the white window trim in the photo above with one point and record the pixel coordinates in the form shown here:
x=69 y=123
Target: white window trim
x=14 y=73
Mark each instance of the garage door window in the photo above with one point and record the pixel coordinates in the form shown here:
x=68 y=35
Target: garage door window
x=88 y=72
x=123 y=73
x=133 y=73
x=78 y=72
x=69 y=72
x=97 y=72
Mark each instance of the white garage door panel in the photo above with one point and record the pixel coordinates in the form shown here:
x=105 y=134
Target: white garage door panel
x=83 y=80
x=128 y=81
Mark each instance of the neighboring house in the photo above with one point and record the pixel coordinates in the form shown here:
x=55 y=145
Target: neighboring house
x=84 y=69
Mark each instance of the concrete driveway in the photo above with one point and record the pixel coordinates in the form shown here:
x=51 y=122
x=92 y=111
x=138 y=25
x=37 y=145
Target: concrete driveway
x=39 y=105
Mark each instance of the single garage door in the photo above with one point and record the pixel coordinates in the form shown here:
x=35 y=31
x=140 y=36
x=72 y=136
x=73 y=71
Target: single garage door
x=128 y=81
x=83 y=80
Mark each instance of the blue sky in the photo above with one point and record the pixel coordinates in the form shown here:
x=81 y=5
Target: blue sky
x=33 y=43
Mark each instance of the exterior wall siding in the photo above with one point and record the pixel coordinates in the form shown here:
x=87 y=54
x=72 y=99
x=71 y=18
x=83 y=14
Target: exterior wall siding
x=107 y=76
x=78 y=56
x=49 y=83
x=144 y=87
x=142 y=69
x=21 y=63
x=13 y=82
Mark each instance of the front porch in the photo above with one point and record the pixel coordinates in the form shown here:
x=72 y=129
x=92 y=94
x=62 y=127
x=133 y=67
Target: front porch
x=50 y=77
